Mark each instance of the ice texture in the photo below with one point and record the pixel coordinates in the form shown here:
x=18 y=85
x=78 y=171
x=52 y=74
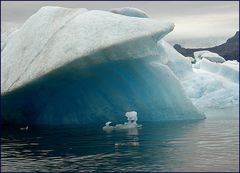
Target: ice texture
x=214 y=57
x=226 y=70
x=100 y=93
x=198 y=54
x=208 y=90
x=213 y=85
x=7 y=28
x=191 y=59
x=129 y=11
x=180 y=65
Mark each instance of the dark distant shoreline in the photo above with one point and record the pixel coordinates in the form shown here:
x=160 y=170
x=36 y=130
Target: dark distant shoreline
x=229 y=50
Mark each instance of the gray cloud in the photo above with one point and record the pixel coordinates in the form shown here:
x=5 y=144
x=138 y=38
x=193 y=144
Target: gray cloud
x=199 y=19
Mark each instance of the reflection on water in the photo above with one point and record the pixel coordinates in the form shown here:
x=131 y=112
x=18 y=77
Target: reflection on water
x=208 y=145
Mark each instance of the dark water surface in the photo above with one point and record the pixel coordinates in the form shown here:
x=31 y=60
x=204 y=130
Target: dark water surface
x=207 y=145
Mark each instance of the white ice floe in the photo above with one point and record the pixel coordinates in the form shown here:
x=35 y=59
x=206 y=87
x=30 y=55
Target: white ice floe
x=108 y=127
x=132 y=123
x=214 y=57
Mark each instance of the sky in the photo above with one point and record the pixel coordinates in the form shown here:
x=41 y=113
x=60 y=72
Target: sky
x=197 y=24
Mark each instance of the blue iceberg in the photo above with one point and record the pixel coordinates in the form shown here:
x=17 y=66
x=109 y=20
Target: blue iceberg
x=89 y=67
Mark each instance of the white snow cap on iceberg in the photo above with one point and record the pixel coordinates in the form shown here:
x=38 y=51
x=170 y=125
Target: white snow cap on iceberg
x=56 y=36
x=214 y=57
x=129 y=11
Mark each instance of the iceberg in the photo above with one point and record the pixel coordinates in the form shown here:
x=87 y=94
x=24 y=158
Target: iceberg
x=75 y=66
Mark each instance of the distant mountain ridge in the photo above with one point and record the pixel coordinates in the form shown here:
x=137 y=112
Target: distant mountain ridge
x=229 y=50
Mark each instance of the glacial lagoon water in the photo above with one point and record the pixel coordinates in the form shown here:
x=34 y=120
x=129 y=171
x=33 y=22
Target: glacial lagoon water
x=207 y=145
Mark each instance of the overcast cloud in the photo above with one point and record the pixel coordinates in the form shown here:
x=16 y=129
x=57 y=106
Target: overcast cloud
x=193 y=20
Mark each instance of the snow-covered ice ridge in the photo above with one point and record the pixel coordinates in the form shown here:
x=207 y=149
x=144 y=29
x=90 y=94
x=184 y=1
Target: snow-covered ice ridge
x=63 y=35
x=74 y=66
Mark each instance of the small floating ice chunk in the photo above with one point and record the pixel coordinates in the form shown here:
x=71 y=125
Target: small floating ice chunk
x=108 y=123
x=132 y=117
x=125 y=126
x=108 y=127
x=132 y=123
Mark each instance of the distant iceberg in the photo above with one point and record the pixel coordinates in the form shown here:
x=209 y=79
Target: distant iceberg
x=214 y=83
x=213 y=57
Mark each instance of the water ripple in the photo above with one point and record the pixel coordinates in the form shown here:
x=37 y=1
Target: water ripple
x=190 y=146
